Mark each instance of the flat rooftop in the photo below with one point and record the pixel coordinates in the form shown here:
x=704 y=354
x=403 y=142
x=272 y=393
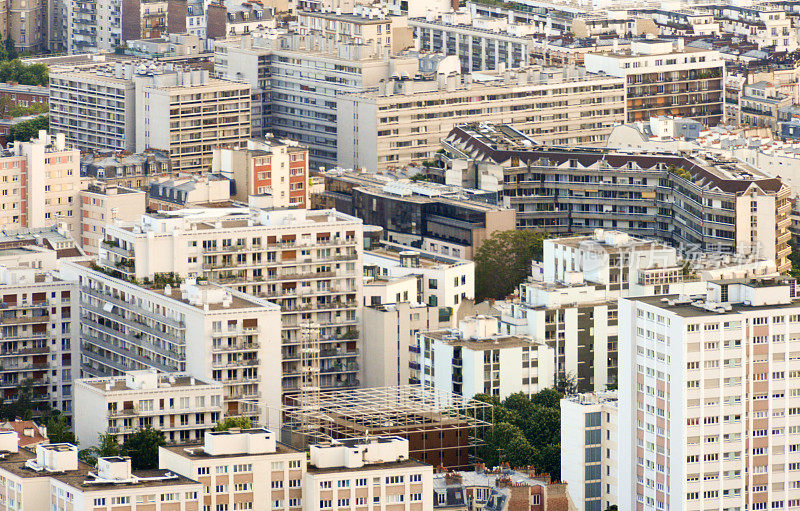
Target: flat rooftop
x=372 y=466
x=482 y=344
x=195 y=451
x=119 y=384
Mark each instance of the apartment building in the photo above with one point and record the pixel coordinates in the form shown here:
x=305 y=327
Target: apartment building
x=570 y=301
x=278 y=168
x=24 y=95
x=93 y=26
x=129 y=170
x=361 y=472
x=122 y=405
x=93 y=106
x=405 y=120
x=241 y=469
x=589 y=439
x=40 y=184
x=188 y=191
x=711 y=204
x=187 y=113
x=480 y=44
x=390 y=338
x=102 y=204
x=38 y=321
x=379 y=34
x=308 y=262
x=768 y=26
x=441 y=281
x=664 y=77
x=297 y=105
x=27 y=24
x=760 y=105
x=201 y=329
x=707 y=417
x=52 y=477
x=476 y=359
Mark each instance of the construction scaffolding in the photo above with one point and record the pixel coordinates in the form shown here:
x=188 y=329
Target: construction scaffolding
x=442 y=428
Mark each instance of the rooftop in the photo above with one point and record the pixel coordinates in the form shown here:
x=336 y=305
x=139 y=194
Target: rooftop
x=372 y=466
x=453 y=337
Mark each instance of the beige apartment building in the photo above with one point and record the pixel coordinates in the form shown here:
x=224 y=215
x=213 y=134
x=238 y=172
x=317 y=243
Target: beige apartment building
x=181 y=406
x=308 y=262
x=242 y=470
x=40 y=184
x=403 y=121
x=188 y=114
x=102 y=204
x=27 y=24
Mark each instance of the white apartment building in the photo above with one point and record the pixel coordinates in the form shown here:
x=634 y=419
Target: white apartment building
x=51 y=477
x=241 y=470
x=475 y=358
x=306 y=261
x=708 y=395
x=390 y=340
x=204 y=330
x=369 y=473
x=570 y=302
x=443 y=281
x=102 y=204
x=768 y=26
x=187 y=113
x=39 y=323
x=296 y=79
x=183 y=407
x=93 y=106
x=589 y=449
x=403 y=121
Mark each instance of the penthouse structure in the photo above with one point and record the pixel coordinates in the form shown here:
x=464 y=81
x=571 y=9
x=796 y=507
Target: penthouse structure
x=666 y=78
x=702 y=202
x=204 y=330
x=101 y=205
x=39 y=319
x=183 y=407
x=446 y=220
x=307 y=262
x=404 y=121
x=725 y=365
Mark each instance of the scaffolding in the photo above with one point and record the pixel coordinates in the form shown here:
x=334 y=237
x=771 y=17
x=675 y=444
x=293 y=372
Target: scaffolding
x=409 y=411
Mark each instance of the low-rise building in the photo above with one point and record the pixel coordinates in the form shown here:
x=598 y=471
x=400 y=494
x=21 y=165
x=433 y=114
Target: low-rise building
x=760 y=104
x=183 y=407
x=188 y=191
x=589 y=449
x=123 y=168
x=51 y=476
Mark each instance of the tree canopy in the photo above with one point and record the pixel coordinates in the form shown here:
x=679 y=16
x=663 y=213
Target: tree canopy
x=26 y=130
x=233 y=422
x=503 y=262
x=14 y=70
x=527 y=431
x=142 y=447
x=58 y=431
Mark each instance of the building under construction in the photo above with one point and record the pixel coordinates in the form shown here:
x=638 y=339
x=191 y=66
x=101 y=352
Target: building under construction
x=441 y=428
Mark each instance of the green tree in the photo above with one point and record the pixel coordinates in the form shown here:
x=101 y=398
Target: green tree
x=548 y=460
x=11 y=48
x=58 y=430
x=549 y=398
x=233 y=422
x=142 y=447
x=566 y=384
x=107 y=446
x=503 y=262
x=26 y=130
